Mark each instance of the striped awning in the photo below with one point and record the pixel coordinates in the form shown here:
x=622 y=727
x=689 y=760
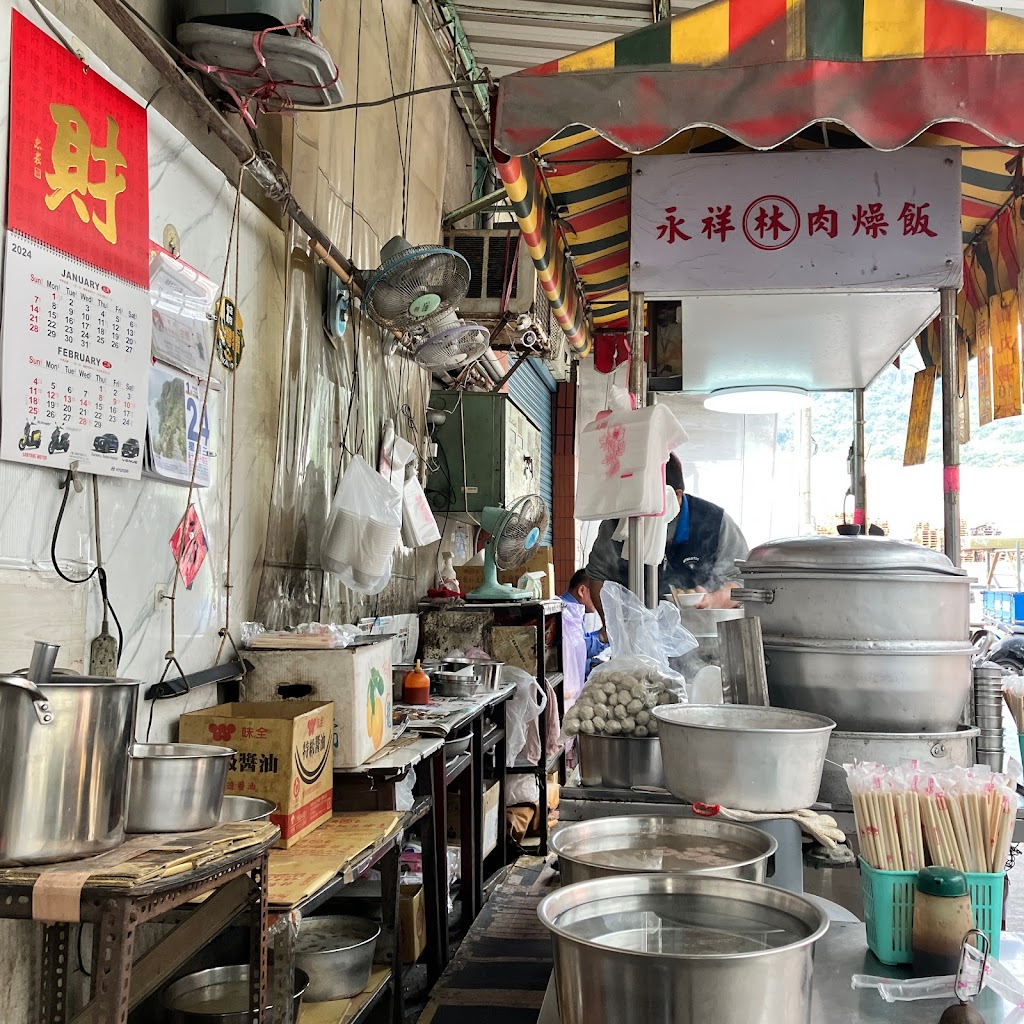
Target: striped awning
x=739 y=75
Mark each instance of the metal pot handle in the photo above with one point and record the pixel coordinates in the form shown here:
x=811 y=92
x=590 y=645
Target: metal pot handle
x=40 y=703
x=743 y=594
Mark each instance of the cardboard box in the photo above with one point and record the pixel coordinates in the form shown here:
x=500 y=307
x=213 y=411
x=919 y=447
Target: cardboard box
x=472 y=576
x=283 y=753
x=490 y=811
x=412 y=923
x=356 y=679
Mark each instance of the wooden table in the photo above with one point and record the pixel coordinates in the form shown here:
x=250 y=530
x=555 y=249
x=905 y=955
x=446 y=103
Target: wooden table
x=138 y=882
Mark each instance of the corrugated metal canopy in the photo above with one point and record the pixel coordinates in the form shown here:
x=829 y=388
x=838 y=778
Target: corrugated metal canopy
x=768 y=72
x=507 y=36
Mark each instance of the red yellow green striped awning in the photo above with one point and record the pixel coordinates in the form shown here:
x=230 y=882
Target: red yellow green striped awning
x=761 y=74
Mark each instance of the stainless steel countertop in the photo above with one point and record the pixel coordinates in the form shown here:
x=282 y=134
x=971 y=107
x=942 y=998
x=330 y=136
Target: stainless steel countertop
x=842 y=953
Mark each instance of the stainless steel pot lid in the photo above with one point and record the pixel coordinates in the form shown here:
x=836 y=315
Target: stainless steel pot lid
x=848 y=554
x=638 y=844
x=682 y=916
x=334 y=934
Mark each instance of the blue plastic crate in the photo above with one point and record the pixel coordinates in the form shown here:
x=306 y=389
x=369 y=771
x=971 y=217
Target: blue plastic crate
x=1006 y=606
x=889 y=910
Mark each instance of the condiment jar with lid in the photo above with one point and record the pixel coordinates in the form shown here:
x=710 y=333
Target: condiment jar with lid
x=416 y=686
x=942 y=917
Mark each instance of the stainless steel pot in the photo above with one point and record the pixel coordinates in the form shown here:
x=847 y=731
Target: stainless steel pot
x=63 y=763
x=488 y=673
x=246 y=808
x=176 y=787
x=608 y=847
x=855 y=588
x=455 y=684
x=743 y=757
x=221 y=996
x=620 y=762
x=337 y=954
x=871 y=687
x=668 y=949
x=942 y=749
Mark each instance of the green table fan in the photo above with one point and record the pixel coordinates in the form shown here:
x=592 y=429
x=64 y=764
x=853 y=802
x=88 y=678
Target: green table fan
x=513 y=533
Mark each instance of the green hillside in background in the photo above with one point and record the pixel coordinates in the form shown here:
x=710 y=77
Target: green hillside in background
x=887 y=407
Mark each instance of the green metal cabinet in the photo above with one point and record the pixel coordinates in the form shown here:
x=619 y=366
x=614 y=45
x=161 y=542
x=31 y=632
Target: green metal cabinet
x=502 y=453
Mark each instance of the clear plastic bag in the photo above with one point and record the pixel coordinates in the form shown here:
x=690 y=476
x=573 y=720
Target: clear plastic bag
x=364 y=529
x=574 y=652
x=523 y=711
x=618 y=697
x=255 y=634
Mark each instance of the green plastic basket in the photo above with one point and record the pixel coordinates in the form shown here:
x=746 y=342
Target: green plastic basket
x=889 y=910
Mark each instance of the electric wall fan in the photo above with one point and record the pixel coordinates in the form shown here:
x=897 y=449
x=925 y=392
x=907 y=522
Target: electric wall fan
x=415 y=284
x=514 y=533
x=448 y=343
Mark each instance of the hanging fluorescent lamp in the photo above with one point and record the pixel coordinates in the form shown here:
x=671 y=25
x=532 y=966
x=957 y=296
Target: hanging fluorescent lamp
x=758 y=400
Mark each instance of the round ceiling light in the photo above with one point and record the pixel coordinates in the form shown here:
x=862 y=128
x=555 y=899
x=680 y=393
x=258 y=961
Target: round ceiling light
x=758 y=400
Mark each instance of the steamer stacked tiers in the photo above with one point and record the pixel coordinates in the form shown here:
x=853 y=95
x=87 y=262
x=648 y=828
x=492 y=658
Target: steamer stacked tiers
x=871 y=632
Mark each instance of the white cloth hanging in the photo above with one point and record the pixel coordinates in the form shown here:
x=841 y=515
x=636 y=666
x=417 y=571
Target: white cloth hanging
x=655 y=531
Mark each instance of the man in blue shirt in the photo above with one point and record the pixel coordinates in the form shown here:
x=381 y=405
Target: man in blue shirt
x=579 y=594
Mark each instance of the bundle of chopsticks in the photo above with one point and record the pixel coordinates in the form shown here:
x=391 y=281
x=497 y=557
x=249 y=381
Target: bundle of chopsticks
x=910 y=817
x=1013 y=694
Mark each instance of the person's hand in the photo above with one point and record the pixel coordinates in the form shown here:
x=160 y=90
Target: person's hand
x=603 y=635
x=721 y=598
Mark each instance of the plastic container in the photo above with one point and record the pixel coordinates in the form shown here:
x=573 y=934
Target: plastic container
x=416 y=686
x=942 y=917
x=889 y=910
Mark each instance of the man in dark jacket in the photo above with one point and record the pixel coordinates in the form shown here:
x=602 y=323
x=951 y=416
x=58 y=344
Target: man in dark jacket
x=700 y=554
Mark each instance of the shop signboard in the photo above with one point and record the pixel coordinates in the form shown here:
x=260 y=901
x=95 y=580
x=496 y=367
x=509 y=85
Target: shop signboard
x=801 y=221
x=76 y=310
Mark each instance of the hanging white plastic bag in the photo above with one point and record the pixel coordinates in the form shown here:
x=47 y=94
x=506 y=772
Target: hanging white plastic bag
x=419 y=527
x=395 y=455
x=618 y=697
x=364 y=529
x=622 y=463
x=524 y=709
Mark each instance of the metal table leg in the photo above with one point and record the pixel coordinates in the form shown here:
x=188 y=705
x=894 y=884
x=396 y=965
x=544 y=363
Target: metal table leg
x=390 y=889
x=467 y=826
x=54 y=974
x=430 y=782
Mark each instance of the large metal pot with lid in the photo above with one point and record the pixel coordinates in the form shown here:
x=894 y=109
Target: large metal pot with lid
x=855 y=588
x=64 y=743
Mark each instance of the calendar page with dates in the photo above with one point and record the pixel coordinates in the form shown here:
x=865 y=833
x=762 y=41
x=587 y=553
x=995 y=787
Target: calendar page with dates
x=77 y=321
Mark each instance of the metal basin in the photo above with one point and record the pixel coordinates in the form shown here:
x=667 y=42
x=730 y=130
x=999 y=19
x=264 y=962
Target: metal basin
x=176 y=787
x=246 y=808
x=681 y=949
x=871 y=687
x=605 y=847
x=221 y=996
x=620 y=762
x=743 y=757
x=337 y=954
x=63 y=771
x=488 y=673
x=943 y=749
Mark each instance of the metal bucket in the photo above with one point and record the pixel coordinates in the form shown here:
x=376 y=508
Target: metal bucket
x=944 y=749
x=664 y=949
x=620 y=762
x=871 y=687
x=743 y=757
x=337 y=954
x=63 y=771
x=176 y=787
x=631 y=845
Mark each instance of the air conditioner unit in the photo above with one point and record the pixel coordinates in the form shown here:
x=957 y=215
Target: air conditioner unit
x=253 y=15
x=505 y=295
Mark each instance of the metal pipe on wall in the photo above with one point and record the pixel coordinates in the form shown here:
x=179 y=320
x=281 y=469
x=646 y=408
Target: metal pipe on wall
x=859 y=480
x=651 y=581
x=638 y=390
x=950 y=425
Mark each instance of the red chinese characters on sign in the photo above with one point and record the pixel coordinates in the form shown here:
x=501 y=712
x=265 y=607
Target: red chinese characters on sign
x=773 y=222
x=823 y=220
x=78 y=176
x=672 y=229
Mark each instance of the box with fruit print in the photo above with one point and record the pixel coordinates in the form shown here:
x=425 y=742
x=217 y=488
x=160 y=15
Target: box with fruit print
x=282 y=753
x=356 y=679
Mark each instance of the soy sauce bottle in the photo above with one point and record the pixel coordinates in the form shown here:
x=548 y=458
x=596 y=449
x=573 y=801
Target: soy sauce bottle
x=942 y=917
